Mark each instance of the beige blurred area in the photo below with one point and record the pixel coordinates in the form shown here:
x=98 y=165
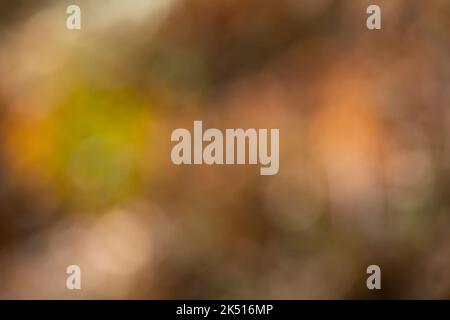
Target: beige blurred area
x=86 y=177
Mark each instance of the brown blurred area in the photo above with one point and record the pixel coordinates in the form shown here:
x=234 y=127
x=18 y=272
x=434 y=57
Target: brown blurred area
x=85 y=170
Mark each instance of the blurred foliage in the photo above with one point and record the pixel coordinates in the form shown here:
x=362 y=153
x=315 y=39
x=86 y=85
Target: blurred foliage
x=85 y=170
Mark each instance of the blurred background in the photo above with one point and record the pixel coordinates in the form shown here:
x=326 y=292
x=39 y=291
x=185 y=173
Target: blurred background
x=85 y=170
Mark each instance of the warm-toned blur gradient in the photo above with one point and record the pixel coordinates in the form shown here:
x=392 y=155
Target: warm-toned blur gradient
x=85 y=170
